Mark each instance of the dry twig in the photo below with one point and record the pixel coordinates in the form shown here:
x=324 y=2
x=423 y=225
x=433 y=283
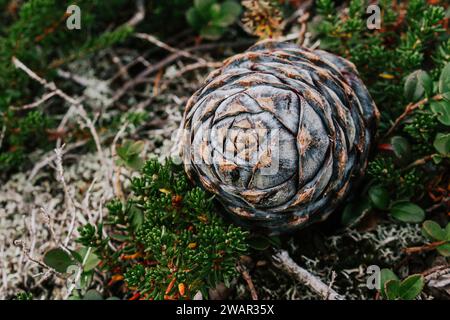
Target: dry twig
x=245 y=274
x=410 y=108
x=284 y=262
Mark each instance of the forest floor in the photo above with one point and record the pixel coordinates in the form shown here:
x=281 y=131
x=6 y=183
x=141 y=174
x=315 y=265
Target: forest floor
x=42 y=207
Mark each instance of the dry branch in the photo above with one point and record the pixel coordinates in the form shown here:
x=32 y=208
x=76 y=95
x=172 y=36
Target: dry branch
x=284 y=262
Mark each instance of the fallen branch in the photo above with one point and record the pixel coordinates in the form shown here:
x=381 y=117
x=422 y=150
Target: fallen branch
x=243 y=270
x=424 y=248
x=284 y=262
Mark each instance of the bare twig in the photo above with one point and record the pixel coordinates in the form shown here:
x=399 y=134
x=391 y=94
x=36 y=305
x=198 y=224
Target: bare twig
x=37 y=103
x=188 y=68
x=70 y=202
x=245 y=274
x=51 y=156
x=418 y=162
x=436 y=272
x=139 y=15
x=26 y=252
x=168 y=60
x=444 y=202
x=117 y=187
x=284 y=262
x=159 y=43
x=424 y=248
x=82 y=112
x=410 y=108
x=48 y=85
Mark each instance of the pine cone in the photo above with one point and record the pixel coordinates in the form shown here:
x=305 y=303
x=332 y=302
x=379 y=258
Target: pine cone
x=279 y=134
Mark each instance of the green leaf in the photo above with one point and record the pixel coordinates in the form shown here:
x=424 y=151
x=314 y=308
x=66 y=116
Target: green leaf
x=442 y=143
x=355 y=211
x=135 y=162
x=229 y=12
x=444 y=249
x=136 y=147
x=411 y=287
x=212 y=32
x=444 y=79
x=379 y=197
x=392 y=289
x=203 y=4
x=433 y=231
x=407 y=212
x=92 y=295
x=415 y=84
x=385 y=276
x=194 y=19
x=442 y=110
x=436 y=158
x=402 y=148
x=58 y=259
x=214 y=11
x=137 y=217
x=447 y=231
x=120 y=237
x=92 y=259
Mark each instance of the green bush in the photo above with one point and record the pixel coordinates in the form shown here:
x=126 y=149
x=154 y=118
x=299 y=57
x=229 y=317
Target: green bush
x=36 y=34
x=405 y=67
x=170 y=241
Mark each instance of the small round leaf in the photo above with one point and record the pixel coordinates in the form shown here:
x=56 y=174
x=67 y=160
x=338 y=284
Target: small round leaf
x=392 y=288
x=385 y=276
x=411 y=287
x=444 y=249
x=433 y=230
x=379 y=197
x=442 y=110
x=444 y=79
x=442 y=143
x=401 y=147
x=92 y=295
x=58 y=259
x=407 y=212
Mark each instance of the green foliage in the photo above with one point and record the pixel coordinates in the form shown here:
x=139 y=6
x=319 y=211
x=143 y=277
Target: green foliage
x=212 y=17
x=394 y=289
x=58 y=259
x=407 y=212
x=405 y=67
x=433 y=231
x=170 y=242
x=24 y=296
x=129 y=154
x=36 y=34
x=383 y=57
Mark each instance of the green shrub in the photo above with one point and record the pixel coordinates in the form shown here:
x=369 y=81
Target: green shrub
x=170 y=242
x=405 y=67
